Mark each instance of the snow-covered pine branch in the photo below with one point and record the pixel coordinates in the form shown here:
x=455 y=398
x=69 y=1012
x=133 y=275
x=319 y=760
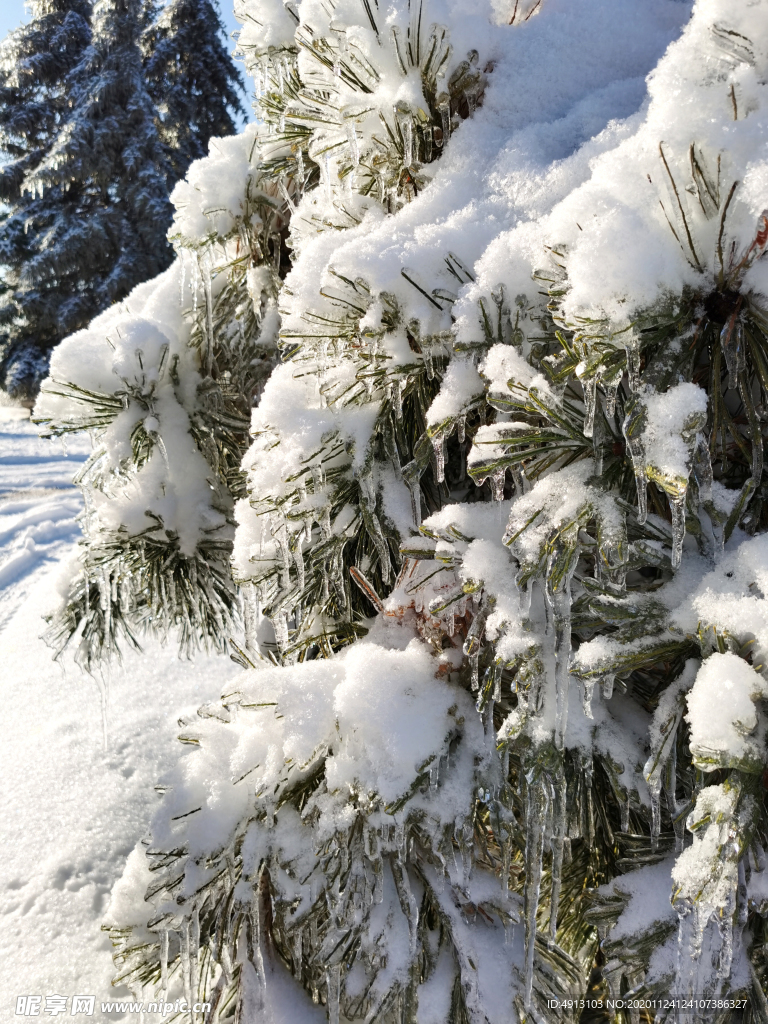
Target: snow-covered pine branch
x=501 y=530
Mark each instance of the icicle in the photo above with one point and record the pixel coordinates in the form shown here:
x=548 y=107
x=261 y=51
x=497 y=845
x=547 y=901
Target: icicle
x=186 y=966
x=325 y=521
x=300 y=169
x=654 y=788
x=611 y=391
x=558 y=842
x=438 y=444
x=406 y=127
x=416 y=502
x=327 y=177
x=434 y=775
x=474 y=661
x=670 y=792
x=206 y=275
x=632 y=345
x=281 y=184
x=637 y=451
x=429 y=362
x=625 y=815
x=607 y=685
x=354 y=149
x=461 y=428
x=677 y=506
x=296 y=952
x=561 y=608
x=280 y=626
x=536 y=810
x=399 y=386
x=164 y=965
x=498 y=477
x=444 y=106
x=194 y=966
x=298 y=559
x=506 y=854
x=427 y=143
x=588 y=689
x=590 y=404
x=732 y=344
x=334 y=987
x=597 y=444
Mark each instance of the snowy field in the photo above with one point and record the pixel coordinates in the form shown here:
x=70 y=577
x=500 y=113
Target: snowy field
x=74 y=806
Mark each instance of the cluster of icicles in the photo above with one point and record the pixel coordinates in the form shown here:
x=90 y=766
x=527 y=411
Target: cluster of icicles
x=700 y=461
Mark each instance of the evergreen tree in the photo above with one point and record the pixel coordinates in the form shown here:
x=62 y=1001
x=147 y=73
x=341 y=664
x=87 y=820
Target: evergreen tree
x=191 y=79
x=112 y=167
x=500 y=739
x=37 y=67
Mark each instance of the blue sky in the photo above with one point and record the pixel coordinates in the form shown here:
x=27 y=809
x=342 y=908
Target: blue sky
x=14 y=12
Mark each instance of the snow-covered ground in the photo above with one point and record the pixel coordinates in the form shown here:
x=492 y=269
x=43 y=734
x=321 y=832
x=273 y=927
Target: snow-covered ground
x=73 y=807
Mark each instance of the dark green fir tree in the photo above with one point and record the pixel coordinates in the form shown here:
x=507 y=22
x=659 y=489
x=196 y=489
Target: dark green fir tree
x=191 y=78
x=112 y=170
x=38 y=61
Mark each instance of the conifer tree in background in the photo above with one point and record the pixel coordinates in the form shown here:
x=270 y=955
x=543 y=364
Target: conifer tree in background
x=38 y=62
x=97 y=136
x=499 y=743
x=191 y=79
x=112 y=168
